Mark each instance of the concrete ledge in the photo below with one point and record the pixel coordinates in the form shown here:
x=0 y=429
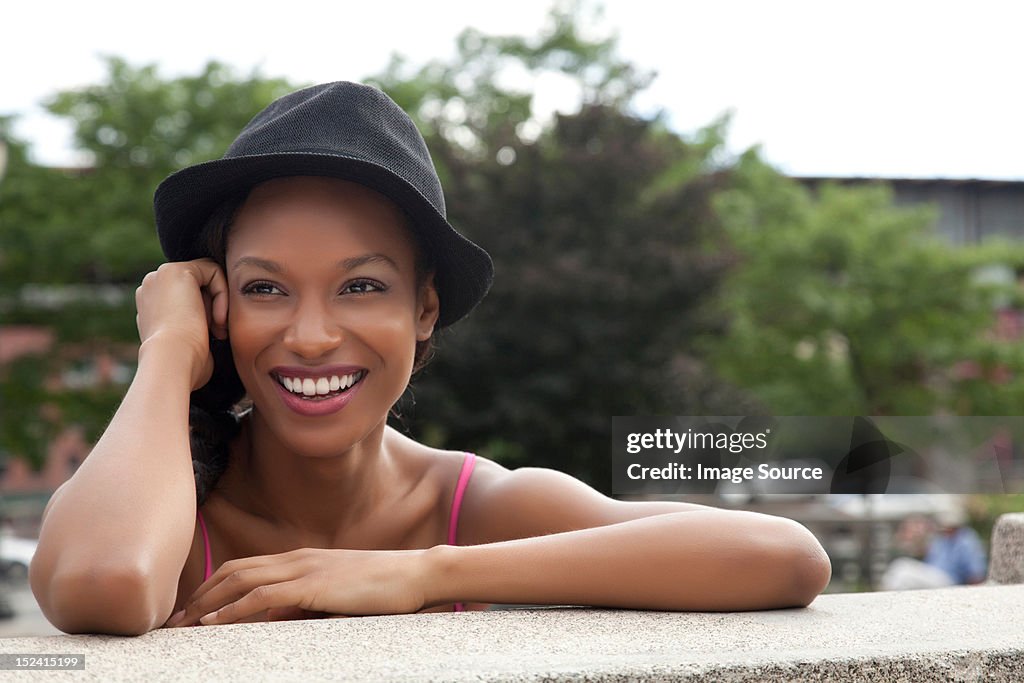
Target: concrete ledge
x=950 y=634
x=1007 y=549
x=962 y=634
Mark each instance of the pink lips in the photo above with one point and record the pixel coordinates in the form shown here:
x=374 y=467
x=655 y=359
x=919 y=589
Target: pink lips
x=319 y=407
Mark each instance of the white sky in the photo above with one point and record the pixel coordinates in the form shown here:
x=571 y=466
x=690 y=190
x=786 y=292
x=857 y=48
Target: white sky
x=895 y=88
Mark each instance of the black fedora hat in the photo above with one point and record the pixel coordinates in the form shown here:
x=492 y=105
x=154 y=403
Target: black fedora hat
x=342 y=130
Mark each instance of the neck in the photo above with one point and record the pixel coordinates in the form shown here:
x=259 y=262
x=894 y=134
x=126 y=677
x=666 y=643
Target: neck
x=314 y=497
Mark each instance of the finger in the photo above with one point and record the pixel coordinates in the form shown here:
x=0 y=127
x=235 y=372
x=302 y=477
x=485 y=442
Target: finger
x=259 y=599
x=240 y=564
x=218 y=289
x=220 y=591
x=211 y=278
x=205 y=270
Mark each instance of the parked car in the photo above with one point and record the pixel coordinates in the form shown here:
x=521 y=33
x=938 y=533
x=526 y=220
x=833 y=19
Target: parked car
x=15 y=555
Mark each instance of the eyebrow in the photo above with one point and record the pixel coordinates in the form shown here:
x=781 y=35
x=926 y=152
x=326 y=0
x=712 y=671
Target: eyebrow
x=345 y=264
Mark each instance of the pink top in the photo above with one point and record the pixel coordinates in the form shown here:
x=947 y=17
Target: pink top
x=453 y=519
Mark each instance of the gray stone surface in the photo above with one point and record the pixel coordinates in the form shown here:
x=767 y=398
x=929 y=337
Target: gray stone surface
x=971 y=633
x=1006 y=564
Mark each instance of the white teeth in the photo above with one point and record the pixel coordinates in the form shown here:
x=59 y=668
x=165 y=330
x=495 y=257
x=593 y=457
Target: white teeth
x=319 y=386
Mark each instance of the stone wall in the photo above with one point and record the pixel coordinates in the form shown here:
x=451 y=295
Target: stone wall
x=967 y=633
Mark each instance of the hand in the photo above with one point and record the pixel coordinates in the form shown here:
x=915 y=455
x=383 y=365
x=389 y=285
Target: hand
x=309 y=582
x=185 y=302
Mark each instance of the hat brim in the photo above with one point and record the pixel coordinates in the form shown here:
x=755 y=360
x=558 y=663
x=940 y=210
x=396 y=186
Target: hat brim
x=184 y=201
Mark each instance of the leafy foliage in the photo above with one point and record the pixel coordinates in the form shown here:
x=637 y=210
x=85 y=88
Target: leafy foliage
x=846 y=305
x=602 y=231
x=94 y=225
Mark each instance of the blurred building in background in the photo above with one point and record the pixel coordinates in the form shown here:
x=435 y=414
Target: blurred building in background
x=24 y=490
x=969 y=211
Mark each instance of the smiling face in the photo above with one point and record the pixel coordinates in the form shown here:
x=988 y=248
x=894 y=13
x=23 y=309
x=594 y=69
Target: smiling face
x=324 y=297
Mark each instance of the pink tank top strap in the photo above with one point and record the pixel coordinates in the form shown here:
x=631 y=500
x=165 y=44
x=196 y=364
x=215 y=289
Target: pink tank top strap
x=453 y=519
x=460 y=491
x=208 y=566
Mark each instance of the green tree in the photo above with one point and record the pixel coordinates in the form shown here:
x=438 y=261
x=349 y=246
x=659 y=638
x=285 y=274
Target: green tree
x=94 y=225
x=604 y=242
x=37 y=238
x=138 y=128
x=843 y=304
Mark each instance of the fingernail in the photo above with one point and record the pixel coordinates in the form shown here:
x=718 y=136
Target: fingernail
x=175 y=618
x=208 y=618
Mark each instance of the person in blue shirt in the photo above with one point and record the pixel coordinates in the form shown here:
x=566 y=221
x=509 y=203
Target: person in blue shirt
x=956 y=549
x=941 y=551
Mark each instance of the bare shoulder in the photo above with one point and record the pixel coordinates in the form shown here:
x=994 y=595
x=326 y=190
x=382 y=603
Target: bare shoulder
x=502 y=504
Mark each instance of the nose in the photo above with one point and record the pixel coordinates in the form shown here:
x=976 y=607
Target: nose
x=312 y=333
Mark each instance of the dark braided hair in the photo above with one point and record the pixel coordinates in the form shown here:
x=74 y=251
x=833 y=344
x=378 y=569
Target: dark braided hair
x=216 y=410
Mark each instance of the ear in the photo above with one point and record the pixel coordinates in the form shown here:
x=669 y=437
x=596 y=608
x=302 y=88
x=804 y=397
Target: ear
x=427 y=309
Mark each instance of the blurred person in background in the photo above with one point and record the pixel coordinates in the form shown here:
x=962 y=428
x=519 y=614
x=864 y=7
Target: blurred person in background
x=956 y=548
x=940 y=551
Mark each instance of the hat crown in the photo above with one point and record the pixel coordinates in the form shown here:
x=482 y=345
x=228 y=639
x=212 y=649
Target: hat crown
x=347 y=119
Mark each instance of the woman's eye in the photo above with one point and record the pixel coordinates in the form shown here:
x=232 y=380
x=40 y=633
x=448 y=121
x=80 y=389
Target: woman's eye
x=260 y=289
x=363 y=287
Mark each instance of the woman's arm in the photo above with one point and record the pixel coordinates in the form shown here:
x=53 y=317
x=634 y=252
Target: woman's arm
x=113 y=543
x=703 y=560
x=536 y=536
x=116 y=536
x=581 y=547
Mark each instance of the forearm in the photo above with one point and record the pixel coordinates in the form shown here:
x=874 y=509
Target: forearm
x=129 y=510
x=702 y=561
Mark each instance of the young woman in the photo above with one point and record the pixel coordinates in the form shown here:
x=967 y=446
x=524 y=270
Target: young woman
x=249 y=473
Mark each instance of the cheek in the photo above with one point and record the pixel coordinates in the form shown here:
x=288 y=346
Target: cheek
x=390 y=331
x=248 y=333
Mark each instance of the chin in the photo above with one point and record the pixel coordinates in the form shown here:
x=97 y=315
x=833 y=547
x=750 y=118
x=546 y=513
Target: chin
x=323 y=437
